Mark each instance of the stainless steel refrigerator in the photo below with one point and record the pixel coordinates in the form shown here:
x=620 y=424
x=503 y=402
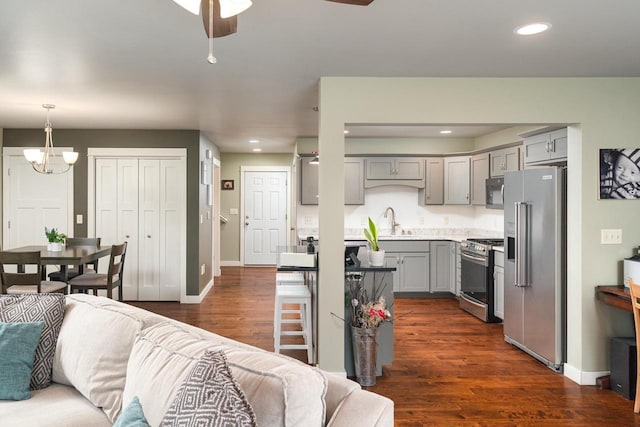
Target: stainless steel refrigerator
x=535 y=263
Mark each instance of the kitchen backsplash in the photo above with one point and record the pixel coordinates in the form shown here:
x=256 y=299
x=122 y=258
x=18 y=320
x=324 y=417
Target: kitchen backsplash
x=409 y=214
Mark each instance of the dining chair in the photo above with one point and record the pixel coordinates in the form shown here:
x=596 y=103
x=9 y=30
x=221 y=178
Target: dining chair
x=21 y=282
x=113 y=278
x=634 y=290
x=73 y=271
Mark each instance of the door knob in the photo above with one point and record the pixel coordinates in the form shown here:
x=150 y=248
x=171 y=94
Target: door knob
x=148 y=236
x=127 y=236
x=246 y=223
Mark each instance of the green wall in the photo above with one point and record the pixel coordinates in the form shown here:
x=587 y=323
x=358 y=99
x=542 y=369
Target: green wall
x=81 y=139
x=605 y=112
x=230 y=199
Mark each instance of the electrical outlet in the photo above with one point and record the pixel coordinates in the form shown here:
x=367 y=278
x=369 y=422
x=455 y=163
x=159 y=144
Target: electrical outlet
x=445 y=219
x=612 y=236
x=307 y=220
x=201 y=219
x=421 y=220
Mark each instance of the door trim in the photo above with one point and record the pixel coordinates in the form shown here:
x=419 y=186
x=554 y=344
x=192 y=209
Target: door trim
x=243 y=169
x=18 y=151
x=141 y=153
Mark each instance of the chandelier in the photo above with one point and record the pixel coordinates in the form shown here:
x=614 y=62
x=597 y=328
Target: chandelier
x=46 y=162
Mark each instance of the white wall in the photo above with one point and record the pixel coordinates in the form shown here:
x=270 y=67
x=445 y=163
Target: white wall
x=604 y=111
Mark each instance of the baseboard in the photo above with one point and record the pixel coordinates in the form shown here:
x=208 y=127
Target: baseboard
x=582 y=377
x=230 y=264
x=196 y=299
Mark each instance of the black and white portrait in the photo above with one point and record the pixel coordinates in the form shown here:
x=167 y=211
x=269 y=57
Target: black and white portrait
x=620 y=173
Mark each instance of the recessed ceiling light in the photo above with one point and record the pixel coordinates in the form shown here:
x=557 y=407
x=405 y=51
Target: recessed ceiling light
x=445 y=132
x=346 y=131
x=257 y=149
x=531 y=29
x=254 y=141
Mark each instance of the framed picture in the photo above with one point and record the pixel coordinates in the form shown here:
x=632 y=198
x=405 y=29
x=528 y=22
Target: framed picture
x=227 y=184
x=620 y=173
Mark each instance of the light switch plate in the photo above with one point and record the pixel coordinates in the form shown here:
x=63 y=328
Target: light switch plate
x=233 y=211
x=611 y=236
x=79 y=219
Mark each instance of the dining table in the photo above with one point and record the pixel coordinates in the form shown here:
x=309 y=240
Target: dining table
x=72 y=255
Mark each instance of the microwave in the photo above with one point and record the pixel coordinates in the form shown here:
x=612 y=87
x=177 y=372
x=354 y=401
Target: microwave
x=495 y=193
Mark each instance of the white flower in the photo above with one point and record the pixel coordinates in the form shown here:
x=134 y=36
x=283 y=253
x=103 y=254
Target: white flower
x=354 y=302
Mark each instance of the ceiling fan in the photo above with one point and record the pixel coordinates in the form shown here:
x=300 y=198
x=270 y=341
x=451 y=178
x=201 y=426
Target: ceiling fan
x=220 y=17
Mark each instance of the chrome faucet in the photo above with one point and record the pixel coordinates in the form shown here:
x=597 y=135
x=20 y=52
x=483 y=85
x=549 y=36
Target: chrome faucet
x=394 y=224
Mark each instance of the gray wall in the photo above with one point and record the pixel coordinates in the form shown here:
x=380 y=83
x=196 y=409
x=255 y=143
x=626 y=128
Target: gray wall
x=81 y=139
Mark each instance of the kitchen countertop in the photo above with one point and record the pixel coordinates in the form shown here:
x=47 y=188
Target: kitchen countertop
x=453 y=234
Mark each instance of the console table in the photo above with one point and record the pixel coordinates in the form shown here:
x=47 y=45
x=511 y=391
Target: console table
x=615 y=296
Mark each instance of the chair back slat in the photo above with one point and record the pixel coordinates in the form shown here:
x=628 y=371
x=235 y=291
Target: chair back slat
x=116 y=263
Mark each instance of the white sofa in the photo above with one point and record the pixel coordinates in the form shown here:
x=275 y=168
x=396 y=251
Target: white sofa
x=108 y=352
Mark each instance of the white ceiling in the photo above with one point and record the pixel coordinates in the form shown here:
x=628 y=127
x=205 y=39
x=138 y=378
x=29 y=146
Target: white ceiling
x=123 y=64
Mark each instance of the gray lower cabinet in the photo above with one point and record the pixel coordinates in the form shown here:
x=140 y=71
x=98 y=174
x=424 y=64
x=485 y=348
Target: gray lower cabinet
x=458 y=260
x=353 y=181
x=498 y=284
x=411 y=259
x=433 y=192
x=504 y=160
x=479 y=175
x=546 y=148
x=456 y=180
x=442 y=273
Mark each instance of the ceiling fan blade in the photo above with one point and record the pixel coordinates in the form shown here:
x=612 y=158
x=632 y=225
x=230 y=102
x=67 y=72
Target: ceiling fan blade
x=354 y=2
x=221 y=26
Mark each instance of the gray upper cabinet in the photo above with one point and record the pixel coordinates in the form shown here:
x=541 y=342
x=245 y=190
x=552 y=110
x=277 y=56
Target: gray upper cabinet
x=433 y=192
x=353 y=181
x=394 y=171
x=479 y=175
x=456 y=180
x=546 y=148
x=504 y=160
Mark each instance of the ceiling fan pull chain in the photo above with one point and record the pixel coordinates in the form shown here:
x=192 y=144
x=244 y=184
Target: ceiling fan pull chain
x=212 y=59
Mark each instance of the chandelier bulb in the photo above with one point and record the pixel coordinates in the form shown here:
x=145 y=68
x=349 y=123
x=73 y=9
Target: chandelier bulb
x=211 y=59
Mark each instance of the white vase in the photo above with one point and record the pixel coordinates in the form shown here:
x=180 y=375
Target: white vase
x=376 y=258
x=55 y=247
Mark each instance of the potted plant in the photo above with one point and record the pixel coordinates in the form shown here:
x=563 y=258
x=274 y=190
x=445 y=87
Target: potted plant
x=56 y=240
x=376 y=255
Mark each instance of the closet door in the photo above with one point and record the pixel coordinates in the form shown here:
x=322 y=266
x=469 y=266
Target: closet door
x=149 y=239
x=171 y=188
x=127 y=230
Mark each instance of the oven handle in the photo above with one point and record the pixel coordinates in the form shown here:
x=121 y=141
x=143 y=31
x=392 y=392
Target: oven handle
x=474 y=259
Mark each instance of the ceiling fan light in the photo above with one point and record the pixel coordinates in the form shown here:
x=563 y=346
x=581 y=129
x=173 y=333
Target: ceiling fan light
x=192 y=6
x=70 y=157
x=229 y=8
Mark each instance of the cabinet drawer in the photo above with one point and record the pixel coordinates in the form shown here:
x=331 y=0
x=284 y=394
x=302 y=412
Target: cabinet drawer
x=404 y=245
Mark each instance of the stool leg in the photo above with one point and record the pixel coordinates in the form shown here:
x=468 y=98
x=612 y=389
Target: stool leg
x=276 y=325
x=309 y=333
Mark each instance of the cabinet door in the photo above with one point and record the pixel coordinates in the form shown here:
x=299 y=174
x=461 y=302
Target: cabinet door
x=497 y=163
x=148 y=219
x=408 y=168
x=380 y=168
x=479 y=175
x=558 y=144
x=458 y=269
x=392 y=260
x=511 y=159
x=308 y=182
x=456 y=180
x=353 y=181
x=536 y=148
x=171 y=186
x=440 y=255
x=414 y=272
x=498 y=295
x=433 y=193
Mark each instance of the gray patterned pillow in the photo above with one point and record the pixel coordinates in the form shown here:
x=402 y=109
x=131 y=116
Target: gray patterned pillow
x=36 y=308
x=210 y=396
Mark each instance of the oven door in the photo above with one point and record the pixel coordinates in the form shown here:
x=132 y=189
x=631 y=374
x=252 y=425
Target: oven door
x=473 y=276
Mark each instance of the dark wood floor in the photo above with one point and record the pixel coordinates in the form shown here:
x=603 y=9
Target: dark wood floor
x=449 y=368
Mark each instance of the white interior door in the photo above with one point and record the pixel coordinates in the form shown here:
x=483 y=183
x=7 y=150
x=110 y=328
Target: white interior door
x=170 y=217
x=148 y=220
x=265 y=216
x=33 y=201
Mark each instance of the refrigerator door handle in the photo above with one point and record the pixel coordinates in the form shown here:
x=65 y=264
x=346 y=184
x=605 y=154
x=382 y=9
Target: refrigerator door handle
x=522 y=244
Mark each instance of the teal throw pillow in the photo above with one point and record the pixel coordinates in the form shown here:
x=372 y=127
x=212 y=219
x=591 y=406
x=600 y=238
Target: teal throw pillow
x=132 y=415
x=18 y=342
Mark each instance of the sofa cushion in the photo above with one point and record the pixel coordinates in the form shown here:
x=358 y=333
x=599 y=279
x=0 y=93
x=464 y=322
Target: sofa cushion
x=18 y=342
x=47 y=308
x=93 y=352
x=132 y=415
x=55 y=406
x=282 y=391
x=210 y=396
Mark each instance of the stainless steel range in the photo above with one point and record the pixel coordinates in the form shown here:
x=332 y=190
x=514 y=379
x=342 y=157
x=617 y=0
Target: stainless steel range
x=476 y=281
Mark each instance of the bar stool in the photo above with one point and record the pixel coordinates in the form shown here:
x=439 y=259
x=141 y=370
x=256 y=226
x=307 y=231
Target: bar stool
x=290 y=289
